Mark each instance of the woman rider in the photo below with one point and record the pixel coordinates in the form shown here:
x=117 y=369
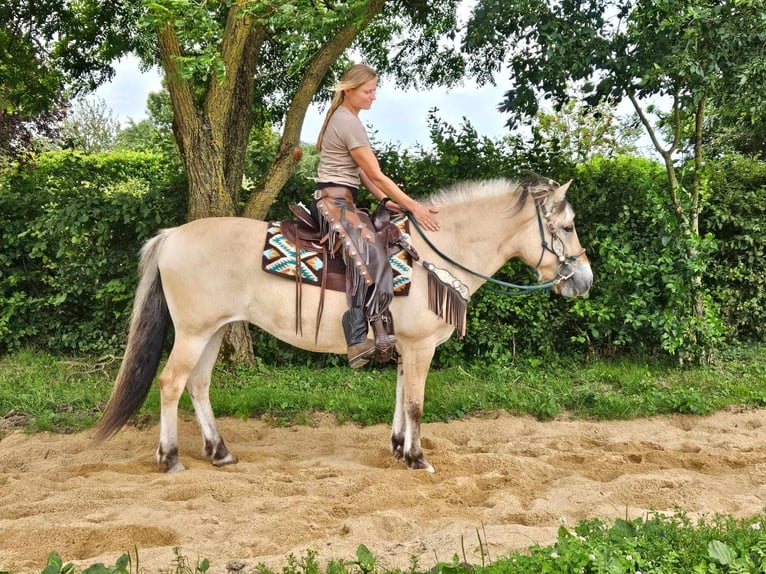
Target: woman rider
x=346 y=160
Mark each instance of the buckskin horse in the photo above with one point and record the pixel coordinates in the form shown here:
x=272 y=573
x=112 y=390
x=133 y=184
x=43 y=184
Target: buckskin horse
x=207 y=273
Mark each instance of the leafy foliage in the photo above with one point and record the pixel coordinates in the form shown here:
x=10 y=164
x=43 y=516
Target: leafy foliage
x=640 y=299
x=583 y=132
x=91 y=127
x=611 y=48
x=71 y=229
x=657 y=544
x=51 y=51
x=736 y=216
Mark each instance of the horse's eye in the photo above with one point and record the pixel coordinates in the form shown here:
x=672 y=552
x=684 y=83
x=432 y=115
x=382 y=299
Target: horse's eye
x=568 y=228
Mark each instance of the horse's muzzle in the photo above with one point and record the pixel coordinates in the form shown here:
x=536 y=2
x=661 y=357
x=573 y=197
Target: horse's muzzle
x=578 y=282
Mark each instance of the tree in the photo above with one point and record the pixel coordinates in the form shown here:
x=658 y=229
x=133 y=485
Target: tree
x=153 y=133
x=50 y=52
x=687 y=53
x=583 y=132
x=227 y=65
x=90 y=127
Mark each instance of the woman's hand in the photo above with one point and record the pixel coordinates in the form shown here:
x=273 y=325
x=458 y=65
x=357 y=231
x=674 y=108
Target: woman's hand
x=426 y=216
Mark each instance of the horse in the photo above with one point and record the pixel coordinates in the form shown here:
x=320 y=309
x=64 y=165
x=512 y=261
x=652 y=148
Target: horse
x=207 y=273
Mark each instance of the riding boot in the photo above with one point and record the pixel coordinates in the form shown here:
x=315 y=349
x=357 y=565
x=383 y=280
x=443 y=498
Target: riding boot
x=384 y=340
x=360 y=348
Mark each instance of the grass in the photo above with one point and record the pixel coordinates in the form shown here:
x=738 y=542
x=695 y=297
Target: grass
x=39 y=392
x=656 y=544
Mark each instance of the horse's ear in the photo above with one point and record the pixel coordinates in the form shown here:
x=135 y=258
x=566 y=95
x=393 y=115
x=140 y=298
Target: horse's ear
x=561 y=192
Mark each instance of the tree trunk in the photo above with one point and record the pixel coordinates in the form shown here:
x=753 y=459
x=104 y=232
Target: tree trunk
x=699 y=304
x=213 y=175
x=688 y=219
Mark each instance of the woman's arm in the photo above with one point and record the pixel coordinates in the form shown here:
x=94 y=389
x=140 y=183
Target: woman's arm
x=379 y=183
x=371 y=187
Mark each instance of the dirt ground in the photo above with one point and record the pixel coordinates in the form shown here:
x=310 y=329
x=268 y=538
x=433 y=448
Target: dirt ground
x=329 y=488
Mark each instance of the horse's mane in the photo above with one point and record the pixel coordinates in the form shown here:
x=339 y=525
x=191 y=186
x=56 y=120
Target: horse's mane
x=519 y=190
x=470 y=191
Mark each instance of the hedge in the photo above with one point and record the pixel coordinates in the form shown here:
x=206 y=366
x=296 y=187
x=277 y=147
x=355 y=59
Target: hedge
x=71 y=228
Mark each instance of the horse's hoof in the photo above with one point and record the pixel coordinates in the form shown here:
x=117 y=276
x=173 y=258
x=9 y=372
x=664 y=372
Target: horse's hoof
x=397 y=447
x=169 y=461
x=218 y=454
x=177 y=467
x=419 y=463
x=228 y=459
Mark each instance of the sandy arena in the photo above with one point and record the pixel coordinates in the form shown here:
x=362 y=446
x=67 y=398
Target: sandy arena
x=330 y=488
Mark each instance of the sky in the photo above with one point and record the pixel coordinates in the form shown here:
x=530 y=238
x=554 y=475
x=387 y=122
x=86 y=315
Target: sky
x=396 y=117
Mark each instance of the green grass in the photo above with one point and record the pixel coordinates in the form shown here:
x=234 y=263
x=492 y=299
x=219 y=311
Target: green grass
x=42 y=392
x=656 y=544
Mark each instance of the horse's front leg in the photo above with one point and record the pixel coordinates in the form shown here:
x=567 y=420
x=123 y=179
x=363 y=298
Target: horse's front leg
x=412 y=370
x=398 y=426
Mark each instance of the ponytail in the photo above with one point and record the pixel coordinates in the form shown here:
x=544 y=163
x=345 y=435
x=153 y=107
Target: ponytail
x=357 y=75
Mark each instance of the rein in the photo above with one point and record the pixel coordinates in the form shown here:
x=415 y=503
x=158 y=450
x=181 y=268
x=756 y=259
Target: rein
x=513 y=289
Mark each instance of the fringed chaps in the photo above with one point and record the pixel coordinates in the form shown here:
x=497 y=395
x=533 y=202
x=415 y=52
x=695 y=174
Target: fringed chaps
x=369 y=278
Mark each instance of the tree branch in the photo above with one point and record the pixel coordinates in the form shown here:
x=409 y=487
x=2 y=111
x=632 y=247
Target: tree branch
x=287 y=156
x=667 y=154
x=236 y=42
x=181 y=95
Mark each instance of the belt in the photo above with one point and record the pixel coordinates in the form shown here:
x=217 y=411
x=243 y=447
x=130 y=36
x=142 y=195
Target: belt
x=334 y=192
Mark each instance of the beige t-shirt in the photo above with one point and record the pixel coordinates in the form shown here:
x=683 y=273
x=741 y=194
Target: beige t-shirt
x=344 y=132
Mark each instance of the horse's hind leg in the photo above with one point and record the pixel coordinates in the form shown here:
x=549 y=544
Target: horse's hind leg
x=183 y=359
x=198 y=386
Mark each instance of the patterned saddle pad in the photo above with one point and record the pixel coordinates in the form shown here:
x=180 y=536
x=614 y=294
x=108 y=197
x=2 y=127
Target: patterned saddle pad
x=279 y=258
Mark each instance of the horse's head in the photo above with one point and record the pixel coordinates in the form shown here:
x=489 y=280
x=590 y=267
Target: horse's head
x=552 y=247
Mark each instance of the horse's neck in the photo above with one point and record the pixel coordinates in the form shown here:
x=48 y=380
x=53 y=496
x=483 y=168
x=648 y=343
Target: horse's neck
x=478 y=236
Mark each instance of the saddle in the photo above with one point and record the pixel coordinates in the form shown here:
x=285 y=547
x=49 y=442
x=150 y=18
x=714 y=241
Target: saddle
x=296 y=248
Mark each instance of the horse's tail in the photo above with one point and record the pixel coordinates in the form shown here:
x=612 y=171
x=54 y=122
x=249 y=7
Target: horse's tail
x=148 y=325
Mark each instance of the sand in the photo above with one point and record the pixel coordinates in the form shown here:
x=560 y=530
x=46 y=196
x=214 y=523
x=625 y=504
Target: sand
x=329 y=488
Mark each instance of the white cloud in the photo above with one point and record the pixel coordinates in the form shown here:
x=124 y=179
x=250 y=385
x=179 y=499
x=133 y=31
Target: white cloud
x=398 y=116
x=127 y=93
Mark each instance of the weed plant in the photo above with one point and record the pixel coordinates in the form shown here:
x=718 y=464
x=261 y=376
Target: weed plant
x=654 y=544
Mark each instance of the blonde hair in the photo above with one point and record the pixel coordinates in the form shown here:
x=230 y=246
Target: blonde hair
x=357 y=75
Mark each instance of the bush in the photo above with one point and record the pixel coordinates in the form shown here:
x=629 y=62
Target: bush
x=72 y=226
x=736 y=216
x=71 y=231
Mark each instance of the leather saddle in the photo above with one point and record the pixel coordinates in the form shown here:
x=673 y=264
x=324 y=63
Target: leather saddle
x=304 y=233
x=305 y=237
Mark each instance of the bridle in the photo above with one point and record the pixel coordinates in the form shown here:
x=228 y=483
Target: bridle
x=556 y=246
x=565 y=270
